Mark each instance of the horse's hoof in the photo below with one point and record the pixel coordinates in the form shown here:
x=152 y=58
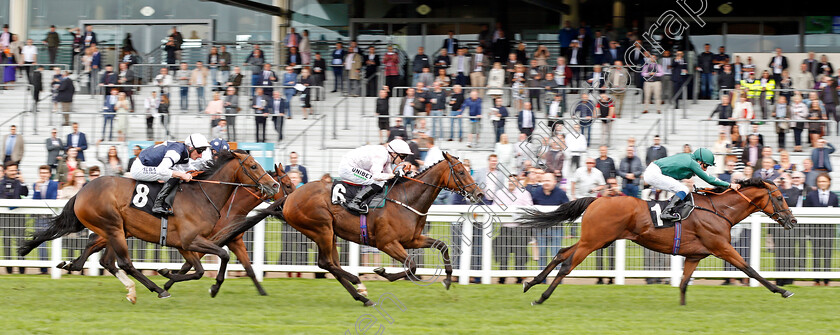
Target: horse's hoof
x=262 y=293
x=61 y=265
x=164 y=295
x=787 y=294
x=214 y=290
x=525 y=287
x=133 y=300
x=163 y=272
x=369 y=303
x=380 y=271
x=534 y=303
x=447 y=283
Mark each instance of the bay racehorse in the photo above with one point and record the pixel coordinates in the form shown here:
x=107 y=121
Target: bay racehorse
x=393 y=228
x=103 y=206
x=705 y=232
x=234 y=209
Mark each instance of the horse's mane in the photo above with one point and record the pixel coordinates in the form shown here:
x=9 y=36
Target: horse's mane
x=430 y=167
x=223 y=157
x=752 y=182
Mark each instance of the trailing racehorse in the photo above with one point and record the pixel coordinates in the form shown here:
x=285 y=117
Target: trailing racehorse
x=392 y=229
x=103 y=207
x=704 y=233
x=233 y=210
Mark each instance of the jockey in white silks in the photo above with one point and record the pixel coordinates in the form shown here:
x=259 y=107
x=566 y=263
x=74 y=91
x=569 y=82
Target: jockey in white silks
x=168 y=161
x=371 y=166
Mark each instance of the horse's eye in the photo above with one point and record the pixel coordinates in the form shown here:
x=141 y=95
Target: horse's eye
x=253 y=167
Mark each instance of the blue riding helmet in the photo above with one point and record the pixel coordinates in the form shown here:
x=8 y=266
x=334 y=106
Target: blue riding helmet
x=219 y=144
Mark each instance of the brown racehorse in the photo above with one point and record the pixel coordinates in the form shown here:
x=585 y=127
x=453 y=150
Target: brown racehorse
x=103 y=207
x=231 y=211
x=392 y=229
x=705 y=232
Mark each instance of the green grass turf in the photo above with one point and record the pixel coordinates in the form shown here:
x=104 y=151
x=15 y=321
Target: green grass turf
x=96 y=305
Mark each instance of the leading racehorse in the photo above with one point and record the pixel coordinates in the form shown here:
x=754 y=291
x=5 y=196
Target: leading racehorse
x=392 y=229
x=103 y=206
x=704 y=233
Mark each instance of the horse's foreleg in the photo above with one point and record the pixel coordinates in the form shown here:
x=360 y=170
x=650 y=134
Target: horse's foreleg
x=205 y=246
x=728 y=253
x=396 y=250
x=117 y=244
x=325 y=261
x=560 y=257
x=238 y=248
x=193 y=259
x=447 y=261
x=690 y=266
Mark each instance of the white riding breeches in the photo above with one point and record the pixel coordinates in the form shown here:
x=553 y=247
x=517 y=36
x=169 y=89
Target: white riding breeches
x=653 y=176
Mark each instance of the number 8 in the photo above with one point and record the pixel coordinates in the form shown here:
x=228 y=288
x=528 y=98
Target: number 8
x=142 y=197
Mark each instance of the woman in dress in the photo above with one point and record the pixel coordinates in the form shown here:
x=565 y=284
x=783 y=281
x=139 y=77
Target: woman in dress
x=122 y=107
x=9 y=71
x=215 y=108
x=496 y=79
x=111 y=163
x=70 y=164
x=815 y=112
x=504 y=150
x=798 y=112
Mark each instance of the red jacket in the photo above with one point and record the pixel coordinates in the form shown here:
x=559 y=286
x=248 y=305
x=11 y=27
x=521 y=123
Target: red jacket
x=392 y=63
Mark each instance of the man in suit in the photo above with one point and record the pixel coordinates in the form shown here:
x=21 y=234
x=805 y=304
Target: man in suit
x=294 y=166
x=11 y=150
x=655 y=151
x=778 y=63
x=752 y=152
x=337 y=65
x=820 y=156
x=267 y=78
x=126 y=77
x=525 y=119
x=614 y=53
x=479 y=65
x=64 y=96
x=37 y=84
x=278 y=108
x=262 y=108
x=599 y=48
x=767 y=172
x=77 y=140
x=821 y=235
x=107 y=79
x=54 y=148
x=231 y=103
x=108 y=110
x=235 y=80
x=88 y=38
x=95 y=66
x=450 y=44
x=372 y=72
x=45 y=189
x=460 y=65
x=575 y=56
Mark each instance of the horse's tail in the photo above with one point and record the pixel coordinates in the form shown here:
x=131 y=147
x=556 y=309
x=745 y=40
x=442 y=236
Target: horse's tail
x=62 y=224
x=564 y=213
x=230 y=232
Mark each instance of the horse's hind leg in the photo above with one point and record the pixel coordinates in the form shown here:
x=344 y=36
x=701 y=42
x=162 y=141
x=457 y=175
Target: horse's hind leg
x=577 y=256
x=561 y=256
x=690 y=266
x=193 y=260
x=107 y=262
x=326 y=248
x=117 y=244
x=95 y=243
x=205 y=246
x=353 y=279
x=396 y=250
x=727 y=252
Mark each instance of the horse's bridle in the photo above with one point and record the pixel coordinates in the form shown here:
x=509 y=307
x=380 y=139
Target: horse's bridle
x=777 y=213
x=462 y=188
x=256 y=181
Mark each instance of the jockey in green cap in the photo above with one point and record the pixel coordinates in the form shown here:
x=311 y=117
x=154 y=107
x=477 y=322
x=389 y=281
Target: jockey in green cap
x=666 y=173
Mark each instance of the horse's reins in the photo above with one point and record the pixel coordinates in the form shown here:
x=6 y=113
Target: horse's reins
x=775 y=215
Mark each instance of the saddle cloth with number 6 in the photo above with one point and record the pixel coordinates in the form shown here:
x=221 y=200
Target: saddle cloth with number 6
x=145 y=192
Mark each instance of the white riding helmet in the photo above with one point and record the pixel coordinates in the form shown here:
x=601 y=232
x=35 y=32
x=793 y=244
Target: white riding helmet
x=399 y=146
x=197 y=141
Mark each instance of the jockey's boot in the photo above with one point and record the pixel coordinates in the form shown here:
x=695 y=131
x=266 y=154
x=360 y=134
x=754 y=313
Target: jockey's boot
x=358 y=203
x=163 y=201
x=668 y=213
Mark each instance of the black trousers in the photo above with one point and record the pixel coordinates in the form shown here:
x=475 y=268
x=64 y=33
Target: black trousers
x=391 y=82
x=372 y=86
x=278 y=126
x=260 y=128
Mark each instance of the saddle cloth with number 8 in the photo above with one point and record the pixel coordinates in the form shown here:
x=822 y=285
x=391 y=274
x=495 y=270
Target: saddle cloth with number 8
x=143 y=197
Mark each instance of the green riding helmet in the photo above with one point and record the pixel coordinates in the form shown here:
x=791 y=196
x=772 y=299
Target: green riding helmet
x=705 y=156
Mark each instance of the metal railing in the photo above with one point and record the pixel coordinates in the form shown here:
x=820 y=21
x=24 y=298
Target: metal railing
x=474 y=240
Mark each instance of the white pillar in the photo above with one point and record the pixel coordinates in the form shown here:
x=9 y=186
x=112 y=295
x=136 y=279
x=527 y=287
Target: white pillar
x=486 y=250
x=620 y=261
x=258 y=262
x=19 y=18
x=755 y=246
x=676 y=270
x=55 y=258
x=354 y=255
x=466 y=250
